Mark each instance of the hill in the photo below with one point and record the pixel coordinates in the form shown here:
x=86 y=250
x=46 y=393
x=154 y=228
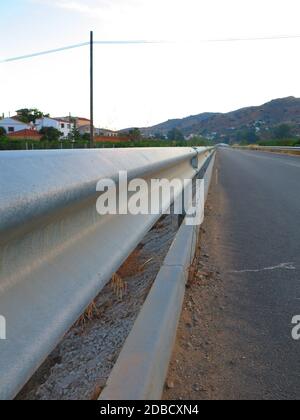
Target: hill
x=232 y=126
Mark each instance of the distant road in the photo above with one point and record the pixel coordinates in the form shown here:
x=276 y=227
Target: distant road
x=261 y=226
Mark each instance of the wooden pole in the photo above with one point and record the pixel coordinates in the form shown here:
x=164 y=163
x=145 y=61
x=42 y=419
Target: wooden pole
x=92 y=89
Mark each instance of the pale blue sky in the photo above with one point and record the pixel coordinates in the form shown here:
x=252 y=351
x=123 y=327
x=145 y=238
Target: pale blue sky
x=145 y=84
x=37 y=24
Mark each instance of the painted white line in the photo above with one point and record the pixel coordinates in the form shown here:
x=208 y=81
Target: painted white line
x=283 y=266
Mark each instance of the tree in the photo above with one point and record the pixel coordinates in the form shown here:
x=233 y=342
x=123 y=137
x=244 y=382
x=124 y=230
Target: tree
x=247 y=136
x=159 y=136
x=86 y=137
x=2 y=132
x=50 y=134
x=30 y=115
x=135 y=134
x=175 y=135
x=75 y=134
x=199 y=141
x=283 y=131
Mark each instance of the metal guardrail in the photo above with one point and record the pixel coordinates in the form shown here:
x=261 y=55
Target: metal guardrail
x=56 y=252
x=141 y=369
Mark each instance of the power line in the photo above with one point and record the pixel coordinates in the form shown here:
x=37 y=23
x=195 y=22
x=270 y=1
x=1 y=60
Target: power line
x=129 y=42
x=140 y=42
x=24 y=57
x=265 y=38
x=70 y=47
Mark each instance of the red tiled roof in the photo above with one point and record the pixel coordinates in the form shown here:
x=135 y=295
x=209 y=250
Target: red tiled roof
x=68 y=118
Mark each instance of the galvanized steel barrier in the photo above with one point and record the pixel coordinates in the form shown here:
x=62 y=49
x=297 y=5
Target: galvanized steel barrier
x=141 y=369
x=56 y=251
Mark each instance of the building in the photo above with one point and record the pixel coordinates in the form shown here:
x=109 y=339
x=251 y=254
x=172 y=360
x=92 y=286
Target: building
x=79 y=121
x=86 y=129
x=82 y=122
x=107 y=133
x=64 y=126
x=13 y=124
x=83 y=125
x=30 y=135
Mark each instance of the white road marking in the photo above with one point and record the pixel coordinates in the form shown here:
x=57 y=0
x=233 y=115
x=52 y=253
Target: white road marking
x=283 y=266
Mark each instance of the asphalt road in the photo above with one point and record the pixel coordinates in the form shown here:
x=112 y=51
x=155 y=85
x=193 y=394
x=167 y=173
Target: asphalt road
x=260 y=229
x=235 y=334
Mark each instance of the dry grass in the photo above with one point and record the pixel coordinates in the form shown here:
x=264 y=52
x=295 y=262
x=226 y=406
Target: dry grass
x=145 y=263
x=292 y=152
x=96 y=393
x=119 y=286
x=91 y=313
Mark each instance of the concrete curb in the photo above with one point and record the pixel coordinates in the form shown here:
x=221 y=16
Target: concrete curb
x=142 y=367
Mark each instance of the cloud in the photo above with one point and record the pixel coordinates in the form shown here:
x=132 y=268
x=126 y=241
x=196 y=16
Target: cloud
x=76 y=6
x=91 y=8
x=136 y=19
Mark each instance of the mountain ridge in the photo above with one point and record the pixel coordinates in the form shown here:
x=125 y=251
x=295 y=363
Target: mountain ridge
x=226 y=126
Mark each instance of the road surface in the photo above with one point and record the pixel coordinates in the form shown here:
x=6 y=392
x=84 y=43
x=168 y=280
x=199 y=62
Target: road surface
x=237 y=321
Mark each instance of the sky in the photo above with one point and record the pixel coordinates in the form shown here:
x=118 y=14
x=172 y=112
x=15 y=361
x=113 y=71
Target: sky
x=141 y=85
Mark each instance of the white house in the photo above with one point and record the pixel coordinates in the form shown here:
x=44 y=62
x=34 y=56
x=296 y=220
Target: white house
x=65 y=127
x=13 y=124
x=107 y=133
x=86 y=129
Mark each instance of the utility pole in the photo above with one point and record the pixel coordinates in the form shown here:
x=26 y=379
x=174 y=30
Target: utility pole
x=92 y=90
